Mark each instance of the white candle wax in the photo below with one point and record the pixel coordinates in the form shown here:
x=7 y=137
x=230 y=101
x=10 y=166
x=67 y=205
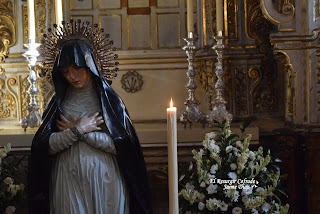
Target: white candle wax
x=172 y=159
x=190 y=23
x=219 y=15
x=32 y=22
x=59 y=13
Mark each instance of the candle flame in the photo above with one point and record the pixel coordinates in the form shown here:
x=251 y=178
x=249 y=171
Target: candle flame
x=171 y=103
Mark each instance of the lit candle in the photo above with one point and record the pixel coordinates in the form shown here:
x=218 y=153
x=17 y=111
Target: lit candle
x=172 y=159
x=190 y=15
x=59 y=13
x=219 y=15
x=32 y=23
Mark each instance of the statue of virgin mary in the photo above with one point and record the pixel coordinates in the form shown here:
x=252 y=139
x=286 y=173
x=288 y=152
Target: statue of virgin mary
x=86 y=157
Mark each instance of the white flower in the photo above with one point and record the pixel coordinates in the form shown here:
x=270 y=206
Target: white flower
x=189 y=186
x=12 y=189
x=229 y=149
x=239 y=144
x=252 y=155
x=211 y=135
x=232 y=175
x=265 y=207
x=254 y=211
x=264 y=169
x=235 y=196
x=237 y=210
x=214 y=168
x=233 y=166
x=261 y=191
x=202 y=196
x=8 y=180
x=223 y=206
x=203 y=184
x=10 y=210
x=246 y=190
x=201 y=206
x=214 y=147
x=212 y=188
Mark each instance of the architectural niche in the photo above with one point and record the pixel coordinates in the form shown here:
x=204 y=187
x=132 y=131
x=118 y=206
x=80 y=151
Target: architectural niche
x=7 y=28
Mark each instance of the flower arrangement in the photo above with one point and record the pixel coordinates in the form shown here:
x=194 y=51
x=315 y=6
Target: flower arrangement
x=230 y=178
x=9 y=192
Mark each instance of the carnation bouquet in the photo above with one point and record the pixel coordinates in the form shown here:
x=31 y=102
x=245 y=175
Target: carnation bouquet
x=230 y=178
x=10 y=193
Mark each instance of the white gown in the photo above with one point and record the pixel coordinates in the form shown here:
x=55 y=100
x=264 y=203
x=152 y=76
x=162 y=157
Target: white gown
x=85 y=177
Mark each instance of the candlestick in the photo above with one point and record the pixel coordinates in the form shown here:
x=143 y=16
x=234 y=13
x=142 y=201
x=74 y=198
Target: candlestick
x=32 y=23
x=190 y=16
x=172 y=159
x=192 y=113
x=219 y=15
x=219 y=111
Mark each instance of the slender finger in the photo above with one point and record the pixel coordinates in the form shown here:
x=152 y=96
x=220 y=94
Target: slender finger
x=97 y=128
x=60 y=122
x=95 y=114
x=64 y=119
x=99 y=118
x=60 y=128
x=73 y=119
x=99 y=122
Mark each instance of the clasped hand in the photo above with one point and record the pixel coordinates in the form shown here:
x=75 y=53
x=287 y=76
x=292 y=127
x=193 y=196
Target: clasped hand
x=86 y=124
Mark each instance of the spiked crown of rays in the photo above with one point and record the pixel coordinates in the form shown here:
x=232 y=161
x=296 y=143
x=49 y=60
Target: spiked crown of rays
x=98 y=41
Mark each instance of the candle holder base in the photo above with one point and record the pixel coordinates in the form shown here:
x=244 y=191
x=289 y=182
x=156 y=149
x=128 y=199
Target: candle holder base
x=193 y=114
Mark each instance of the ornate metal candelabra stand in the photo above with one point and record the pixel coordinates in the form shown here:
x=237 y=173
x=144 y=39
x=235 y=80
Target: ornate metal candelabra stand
x=192 y=113
x=33 y=118
x=219 y=111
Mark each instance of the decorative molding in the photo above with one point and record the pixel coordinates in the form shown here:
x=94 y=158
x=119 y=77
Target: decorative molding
x=25 y=24
x=271 y=13
x=8 y=104
x=7 y=28
x=232 y=20
x=257 y=27
x=290 y=107
x=132 y=82
x=24 y=95
x=40 y=14
x=241 y=91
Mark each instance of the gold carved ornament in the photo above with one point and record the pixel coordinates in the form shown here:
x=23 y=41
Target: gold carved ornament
x=7 y=28
x=8 y=102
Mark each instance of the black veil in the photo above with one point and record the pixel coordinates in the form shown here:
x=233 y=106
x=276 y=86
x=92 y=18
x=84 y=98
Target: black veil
x=117 y=121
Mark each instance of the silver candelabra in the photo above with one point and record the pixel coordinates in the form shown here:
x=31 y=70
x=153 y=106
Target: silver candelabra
x=219 y=111
x=192 y=113
x=33 y=118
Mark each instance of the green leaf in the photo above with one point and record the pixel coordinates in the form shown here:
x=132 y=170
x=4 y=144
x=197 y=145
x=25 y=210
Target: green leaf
x=181 y=177
x=245 y=124
x=282 y=192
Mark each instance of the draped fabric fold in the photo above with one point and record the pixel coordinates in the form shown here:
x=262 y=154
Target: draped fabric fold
x=118 y=125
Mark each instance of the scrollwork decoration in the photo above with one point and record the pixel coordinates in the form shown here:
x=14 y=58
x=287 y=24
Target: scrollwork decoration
x=7 y=100
x=132 y=82
x=7 y=28
x=270 y=12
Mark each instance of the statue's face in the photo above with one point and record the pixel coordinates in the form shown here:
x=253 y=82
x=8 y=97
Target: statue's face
x=77 y=76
